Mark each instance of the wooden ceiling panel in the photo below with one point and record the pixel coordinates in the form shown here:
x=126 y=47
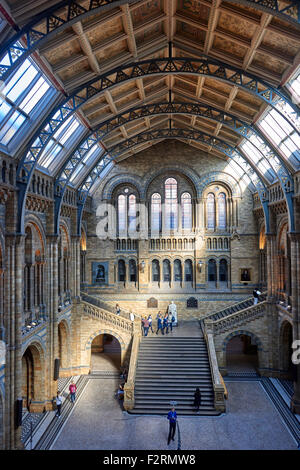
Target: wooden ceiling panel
x=188 y=31
x=269 y=63
x=112 y=51
x=229 y=48
x=99 y=35
x=148 y=34
x=145 y=12
x=276 y=42
x=195 y=9
x=242 y=28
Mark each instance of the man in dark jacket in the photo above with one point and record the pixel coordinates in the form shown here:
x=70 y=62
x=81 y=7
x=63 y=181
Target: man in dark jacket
x=197 y=399
x=159 y=324
x=172 y=417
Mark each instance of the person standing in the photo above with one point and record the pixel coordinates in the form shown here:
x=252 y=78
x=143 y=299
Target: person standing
x=197 y=399
x=159 y=324
x=256 y=294
x=146 y=326
x=172 y=417
x=165 y=324
x=150 y=323
x=72 y=390
x=118 y=310
x=58 y=401
x=170 y=321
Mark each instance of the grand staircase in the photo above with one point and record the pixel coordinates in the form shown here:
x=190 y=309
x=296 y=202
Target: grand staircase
x=169 y=369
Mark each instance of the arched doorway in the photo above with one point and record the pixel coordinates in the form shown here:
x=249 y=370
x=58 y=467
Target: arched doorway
x=63 y=345
x=286 y=351
x=241 y=354
x=105 y=353
x=32 y=380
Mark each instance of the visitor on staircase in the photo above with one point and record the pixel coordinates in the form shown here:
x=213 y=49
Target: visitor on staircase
x=159 y=323
x=72 y=390
x=171 y=318
x=118 y=310
x=197 y=399
x=256 y=294
x=172 y=417
x=165 y=324
x=58 y=401
x=150 y=323
x=146 y=326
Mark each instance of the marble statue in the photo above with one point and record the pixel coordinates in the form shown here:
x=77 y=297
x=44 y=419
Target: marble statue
x=173 y=310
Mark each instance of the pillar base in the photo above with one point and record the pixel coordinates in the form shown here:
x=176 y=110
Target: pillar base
x=295 y=406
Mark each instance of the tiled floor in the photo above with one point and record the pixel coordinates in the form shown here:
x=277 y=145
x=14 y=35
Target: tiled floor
x=97 y=422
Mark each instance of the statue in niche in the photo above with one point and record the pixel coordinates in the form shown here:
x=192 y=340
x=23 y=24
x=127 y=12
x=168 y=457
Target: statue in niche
x=173 y=310
x=100 y=276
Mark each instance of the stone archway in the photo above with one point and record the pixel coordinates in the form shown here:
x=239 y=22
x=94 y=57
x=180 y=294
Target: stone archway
x=285 y=350
x=241 y=351
x=63 y=345
x=105 y=353
x=33 y=392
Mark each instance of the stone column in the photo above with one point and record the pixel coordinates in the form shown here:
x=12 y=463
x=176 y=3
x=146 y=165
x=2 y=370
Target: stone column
x=13 y=319
x=295 y=301
x=271 y=245
x=75 y=267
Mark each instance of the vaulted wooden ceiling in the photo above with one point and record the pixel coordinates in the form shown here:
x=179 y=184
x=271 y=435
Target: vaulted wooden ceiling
x=247 y=38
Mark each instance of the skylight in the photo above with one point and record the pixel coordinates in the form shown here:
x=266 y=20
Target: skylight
x=19 y=98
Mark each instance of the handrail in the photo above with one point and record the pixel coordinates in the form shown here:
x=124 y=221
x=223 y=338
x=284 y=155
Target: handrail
x=106 y=305
x=247 y=314
x=219 y=389
x=101 y=314
x=208 y=315
x=129 y=398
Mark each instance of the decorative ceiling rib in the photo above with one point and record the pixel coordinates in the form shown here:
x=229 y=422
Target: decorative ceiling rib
x=81 y=41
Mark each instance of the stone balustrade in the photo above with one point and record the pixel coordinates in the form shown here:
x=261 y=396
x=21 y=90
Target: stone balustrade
x=219 y=390
x=239 y=318
x=130 y=384
x=117 y=321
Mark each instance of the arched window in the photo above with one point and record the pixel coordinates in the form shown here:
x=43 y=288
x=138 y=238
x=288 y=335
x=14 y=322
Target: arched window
x=188 y=270
x=156 y=212
x=132 y=270
x=132 y=212
x=171 y=203
x=122 y=212
x=210 y=210
x=121 y=270
x=222 y=210
x=186 y=211
x=177 y=270
x=223 y=270
x=155 y=271
x=166 y=270
x=212 y=271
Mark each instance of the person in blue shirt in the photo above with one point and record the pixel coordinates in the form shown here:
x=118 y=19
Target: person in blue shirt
x=172 y=417
x=159 y=324
x=166 y=324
